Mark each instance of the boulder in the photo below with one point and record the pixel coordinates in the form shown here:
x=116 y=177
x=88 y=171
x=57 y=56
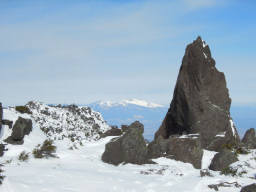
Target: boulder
x=128 y=148
x=135 y=124
x=2 y=149
x=158 y=148
x=7 y=122
x=124 y=128
x=219 y=143
x=201 y=102
x=249 y=188
x=23 y=109
x=249 y=139
x=185 y=148
x=21 y=128
x=1 y=116
x=222 y=160
x=114 y=131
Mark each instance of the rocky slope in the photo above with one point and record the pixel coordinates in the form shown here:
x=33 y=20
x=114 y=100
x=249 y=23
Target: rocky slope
x=72 y=123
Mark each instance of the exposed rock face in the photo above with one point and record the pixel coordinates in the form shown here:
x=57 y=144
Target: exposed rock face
x=21 y=128
x=250 y=139
x=114 y=131
x=185 y=148
x=129 y=148
x=7 y=122
x=200 y=101
x=1 y=116
x=136 y=125
x=249 y=188
x=124 y=128
x=158 y=148
x=222 y=160
x=2 y=149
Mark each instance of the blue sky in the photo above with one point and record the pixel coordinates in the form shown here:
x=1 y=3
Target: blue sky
x=83 y=51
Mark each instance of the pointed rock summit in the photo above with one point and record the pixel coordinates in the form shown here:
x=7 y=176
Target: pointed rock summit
x=201 y=101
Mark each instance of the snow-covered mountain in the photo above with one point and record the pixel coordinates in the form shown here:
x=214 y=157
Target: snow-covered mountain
x=127 y=102
x=130 y=110
x=74 y=124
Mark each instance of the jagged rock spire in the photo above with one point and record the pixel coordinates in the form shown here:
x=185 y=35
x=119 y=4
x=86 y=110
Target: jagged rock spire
x=201 y=101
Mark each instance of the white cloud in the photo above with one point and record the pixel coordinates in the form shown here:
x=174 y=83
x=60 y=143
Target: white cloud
x=126 y=50
x=198 y=4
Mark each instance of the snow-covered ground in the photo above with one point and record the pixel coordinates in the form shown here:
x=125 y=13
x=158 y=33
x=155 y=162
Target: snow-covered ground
x=81 y=169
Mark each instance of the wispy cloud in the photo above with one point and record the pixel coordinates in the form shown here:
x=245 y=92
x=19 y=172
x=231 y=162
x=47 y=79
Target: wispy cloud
x=95 y=50
x=198 y=4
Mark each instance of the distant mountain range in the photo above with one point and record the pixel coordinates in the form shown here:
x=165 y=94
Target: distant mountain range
x=152 y=114
x=127 y=111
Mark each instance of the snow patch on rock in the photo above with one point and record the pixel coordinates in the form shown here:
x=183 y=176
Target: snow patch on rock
x=232 y=127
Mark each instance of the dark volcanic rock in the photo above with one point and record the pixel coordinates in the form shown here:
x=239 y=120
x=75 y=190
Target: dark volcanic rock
x=128 y=148
x=1 y=116
x=2 y=149
x=186 y=148
x=158 y=148
x=7 y=122
x=124 y=128
x=21 y=128
x=114 y=131
x=200 y=101
x=222 y=160
x=135 y=124
x=249 y=188
x=250 y=139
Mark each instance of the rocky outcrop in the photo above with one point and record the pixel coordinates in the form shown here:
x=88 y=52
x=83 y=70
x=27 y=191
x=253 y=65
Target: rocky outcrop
x=7 y=122
x=136 y=124
x=124 y=128
x=1 y=116
x=77 y=124
x=2 y=149
x=114 y=131
x=158 y=148
x=23 y=109
x=249 y=188
x=222 y=160
x=21 y=128
x=201 y=101
x=128 y=148
x=185 y=148
x=249 y=139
